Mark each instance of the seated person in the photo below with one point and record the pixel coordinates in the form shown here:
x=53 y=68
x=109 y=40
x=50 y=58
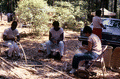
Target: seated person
x=93 y=49
x=9 y=36
x=56 y=36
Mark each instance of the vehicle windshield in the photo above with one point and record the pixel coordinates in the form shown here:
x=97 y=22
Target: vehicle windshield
x=111 y=23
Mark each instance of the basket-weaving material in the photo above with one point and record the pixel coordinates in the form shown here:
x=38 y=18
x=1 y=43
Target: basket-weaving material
x=115 y=58
x=107 y=56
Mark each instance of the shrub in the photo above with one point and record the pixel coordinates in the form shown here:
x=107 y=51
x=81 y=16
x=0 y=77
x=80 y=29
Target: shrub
x=67 y=12
x=33 y=12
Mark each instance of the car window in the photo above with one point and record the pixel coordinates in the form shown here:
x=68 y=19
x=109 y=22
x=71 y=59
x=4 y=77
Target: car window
x=111 y=23
x=107 y=22
x=116 y=23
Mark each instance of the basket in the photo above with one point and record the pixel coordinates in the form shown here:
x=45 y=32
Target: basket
x=107 y=56
x=115 y=58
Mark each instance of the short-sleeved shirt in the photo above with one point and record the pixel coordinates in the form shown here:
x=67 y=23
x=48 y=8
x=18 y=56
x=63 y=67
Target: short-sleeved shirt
x=96 y=43
x=56 y=34
x=11 y=33
x=96 y=22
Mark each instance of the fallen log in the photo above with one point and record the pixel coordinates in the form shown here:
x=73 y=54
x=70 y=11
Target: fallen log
x=6 y=65
x=28 y=69
x=34 y=65
x=6 y=62
x=57 y=70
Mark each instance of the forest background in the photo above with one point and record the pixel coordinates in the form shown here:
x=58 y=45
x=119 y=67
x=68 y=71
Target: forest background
x=72 y=14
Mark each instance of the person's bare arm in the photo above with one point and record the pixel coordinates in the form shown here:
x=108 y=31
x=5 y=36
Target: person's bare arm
x=18 y=38
x=50 y=37
x=61 y=38
x=6 y=39
x=89 y=47
x=102 y=26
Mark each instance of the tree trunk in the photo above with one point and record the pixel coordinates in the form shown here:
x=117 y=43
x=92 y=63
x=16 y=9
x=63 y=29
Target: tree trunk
x=111 y=2
x=115 y=6
x=102 y=6
x=106 y=4
x=8 y=6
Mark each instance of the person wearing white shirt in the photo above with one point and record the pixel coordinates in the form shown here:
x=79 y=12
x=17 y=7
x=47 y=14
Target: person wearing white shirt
x=56 y=36
x=97 y=24
x=94 y=49
x=9 y=36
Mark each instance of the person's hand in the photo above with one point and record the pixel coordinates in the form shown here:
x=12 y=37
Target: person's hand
x=81 y=47
x=55 y=42
x=104 y=27
x=13 y=39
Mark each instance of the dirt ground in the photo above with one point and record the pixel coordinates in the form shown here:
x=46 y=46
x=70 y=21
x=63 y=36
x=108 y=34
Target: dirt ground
x=48 y=68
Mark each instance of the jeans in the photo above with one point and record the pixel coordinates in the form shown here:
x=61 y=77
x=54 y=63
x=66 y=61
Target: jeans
x=12 y=47
x=83 y=56
x=50 y=46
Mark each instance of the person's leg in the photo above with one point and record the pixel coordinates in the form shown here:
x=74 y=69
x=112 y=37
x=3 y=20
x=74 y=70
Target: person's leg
x=48 y=45
x=77 y=58
x=16 y=48
x=11 y=48
x=61 y=48
x=80 y=57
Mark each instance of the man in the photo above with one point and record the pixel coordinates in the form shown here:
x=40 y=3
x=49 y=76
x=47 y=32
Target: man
x=94 y=49
x=97 y=24
x=9 y=36
x=56 y=36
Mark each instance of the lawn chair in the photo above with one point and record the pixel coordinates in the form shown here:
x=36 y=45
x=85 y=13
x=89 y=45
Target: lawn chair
x=87 y=72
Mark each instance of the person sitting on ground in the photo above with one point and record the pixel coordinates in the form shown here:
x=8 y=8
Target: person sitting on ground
x=94 y=49
x=56 y=36
x=9 y=36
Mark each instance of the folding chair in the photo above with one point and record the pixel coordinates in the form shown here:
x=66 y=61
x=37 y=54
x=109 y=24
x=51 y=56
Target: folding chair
x=115 y=60
x=101 y=60
x=87 y=68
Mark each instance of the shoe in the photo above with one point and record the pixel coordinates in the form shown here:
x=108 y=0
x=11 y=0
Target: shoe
x=16 y=57
x=72 y=71
x=6 y=52
x=9 y=57
x=61 y=57
x=57 y=56
x=49 y=56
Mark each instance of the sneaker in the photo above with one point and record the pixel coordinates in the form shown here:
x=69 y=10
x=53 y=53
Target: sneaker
x=48 y=56
x=16 y=57
x=9 y=57
x=72 y=71
x=57 y=56
x=6 y=52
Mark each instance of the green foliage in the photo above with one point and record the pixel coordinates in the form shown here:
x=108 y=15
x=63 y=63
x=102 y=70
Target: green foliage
x=36 y=12
x=33 y=12
x=67 y=12
x=81 y=9
x=3 y=6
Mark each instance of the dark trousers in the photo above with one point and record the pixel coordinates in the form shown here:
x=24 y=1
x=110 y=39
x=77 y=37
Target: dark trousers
x=82 y=56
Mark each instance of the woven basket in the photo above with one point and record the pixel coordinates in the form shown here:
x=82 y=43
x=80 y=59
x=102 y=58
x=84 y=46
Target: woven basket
x=107 y=56
x=115 y=58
